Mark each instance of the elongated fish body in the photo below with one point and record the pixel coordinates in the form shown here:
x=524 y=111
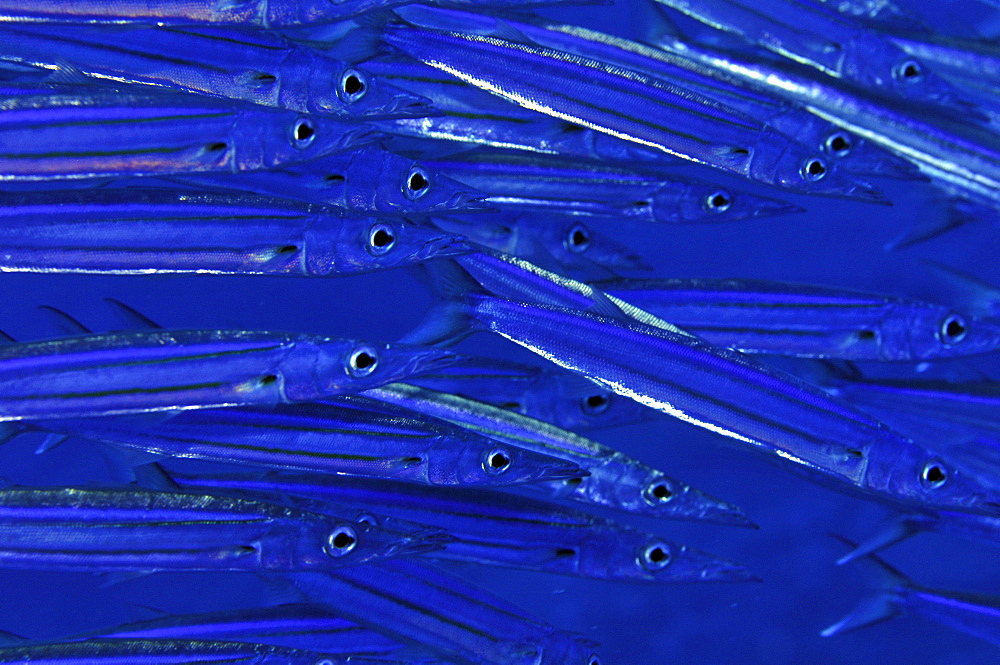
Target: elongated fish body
x=367 y=180
x=660 y=116
x=165 y=652
x=472 y=117
x=142 y=231
x=98 y=530
x=296 y=626
x=163 y=370
x=263 y=13
x=563 y=242
x=731 y=394
x=528 y=184
x=818 y=36
x=810 y=321
x=789 y=120
x=963 y=157
x=357 y=436
x=549 y=394
x=243 y=64
x=416 y=603
x=616 y=481
x=501 y=529
x=64 y=132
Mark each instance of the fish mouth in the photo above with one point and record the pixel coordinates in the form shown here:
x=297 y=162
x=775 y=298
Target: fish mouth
x=446 y=245
x=859 y=190
x=404 y=105
x=762 y=207
x=697 y=566
x=421 y=542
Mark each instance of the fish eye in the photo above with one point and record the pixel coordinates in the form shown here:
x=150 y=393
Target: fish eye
x=719 y=201
x=353 y=85
x=381 y=239
x=655 y=556
x=933 y=475
x=325 y=661
x=813 y=169
x=363 y=361
x=496 y=461
x=658 y=491
x=417 y=184
x=303 y=133
x=597 y=404
x=578 y=239
x=908 y=71
x=953 y=329
x=341 y=541
x=838 y=144
x=594 y=660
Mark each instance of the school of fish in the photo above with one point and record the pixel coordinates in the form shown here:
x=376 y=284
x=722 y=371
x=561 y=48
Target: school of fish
x=493 y=150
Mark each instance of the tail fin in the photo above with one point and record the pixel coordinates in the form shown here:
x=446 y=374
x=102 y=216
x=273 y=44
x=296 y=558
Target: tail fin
x=884 y=606
x=447 y=321
x=898 y=530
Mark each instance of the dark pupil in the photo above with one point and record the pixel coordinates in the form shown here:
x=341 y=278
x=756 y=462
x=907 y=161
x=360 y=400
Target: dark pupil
x=911 y=71
x=499 y=460
x=215 y=147
x=954 y=328
x=417 y=182
x=382 y=238
x=269 y=379
x=353 y=85
x=363 y=361
x=661 y=492
x=839 y=144
x=595 y=401
x=334 y=177
x=867 y=334
x=816 y=168
x=303 y=131
x=342 y=540
x=719 y=201
x=565 y=551
x=578 y=237
x=935 y=475
x=657 y=555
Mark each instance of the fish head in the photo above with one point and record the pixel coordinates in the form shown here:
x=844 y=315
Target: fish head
x=629 y=555
x=780 y=162
x=872 y=64
x=478 y=460
x=663 y=496
x=901 y=470
x=947 y=334
x=701 y=203
x=350 y=245
x=353 y=92
x=286 y=138
x=403 y=186
x=339 y=542
x=576 y=246
x=344 y=365
x=866 y=158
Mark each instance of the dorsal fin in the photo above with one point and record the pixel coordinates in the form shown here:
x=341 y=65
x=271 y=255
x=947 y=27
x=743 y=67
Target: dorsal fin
x=64 y=322
x=134 y=319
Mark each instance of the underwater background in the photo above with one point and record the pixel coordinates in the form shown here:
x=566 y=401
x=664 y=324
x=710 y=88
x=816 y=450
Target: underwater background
x=776 y=621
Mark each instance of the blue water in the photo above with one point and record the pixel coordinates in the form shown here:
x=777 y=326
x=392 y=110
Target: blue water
x=774 y=622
